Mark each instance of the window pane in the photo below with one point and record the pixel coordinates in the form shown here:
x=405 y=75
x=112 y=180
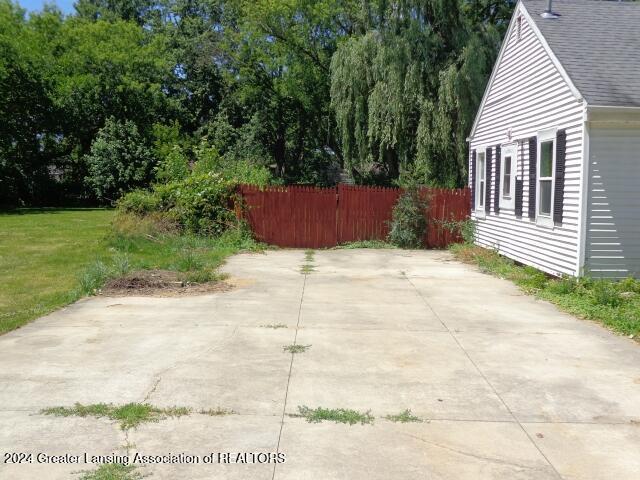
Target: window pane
x=506 y=185
x=481 y=194
x=546 y=159
x=545 y=197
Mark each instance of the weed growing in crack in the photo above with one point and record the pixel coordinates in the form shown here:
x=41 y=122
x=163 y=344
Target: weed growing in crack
x=112 y=471
x=306 y=269
x=296 y=348
x=129 y=416
x=216 y=412
x=308 y=266
x=404 y=417
x=337 y=415
x=274 y=326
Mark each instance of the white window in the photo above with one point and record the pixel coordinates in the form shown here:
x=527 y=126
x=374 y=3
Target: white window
x=546 y=180
x=508 y=176
x=481 y=181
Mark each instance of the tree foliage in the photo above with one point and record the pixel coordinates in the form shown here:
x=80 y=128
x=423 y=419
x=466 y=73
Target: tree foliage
x=119 y=160
x=384 y=89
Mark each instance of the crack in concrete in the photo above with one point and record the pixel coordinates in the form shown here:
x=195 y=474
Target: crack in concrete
x=498 y=461
x=286 y=394
x=158 y=376
x=484 y=377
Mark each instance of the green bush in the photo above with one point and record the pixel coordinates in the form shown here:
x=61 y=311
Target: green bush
x=139 y=202
x=409 y=221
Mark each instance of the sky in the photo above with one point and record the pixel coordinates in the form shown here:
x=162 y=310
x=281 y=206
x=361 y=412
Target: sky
x=65 y=5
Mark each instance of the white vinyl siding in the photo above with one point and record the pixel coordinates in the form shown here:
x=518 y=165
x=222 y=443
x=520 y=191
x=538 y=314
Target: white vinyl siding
x=529 y=95
x=613 y=213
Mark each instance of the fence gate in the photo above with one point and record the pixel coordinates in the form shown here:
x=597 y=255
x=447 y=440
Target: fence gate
x=312 y=217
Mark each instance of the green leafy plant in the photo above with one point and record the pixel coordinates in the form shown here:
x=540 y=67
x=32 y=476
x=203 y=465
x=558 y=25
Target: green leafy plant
x=465 y=228
x=296 y=348
x=129 y=416
x=605 y=293
x=337 y=415
x=112 y=471
x=404 y=417
x=409 y=223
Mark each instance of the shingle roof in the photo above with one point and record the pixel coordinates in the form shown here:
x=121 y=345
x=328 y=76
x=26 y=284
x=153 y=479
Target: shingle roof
x=598 y=44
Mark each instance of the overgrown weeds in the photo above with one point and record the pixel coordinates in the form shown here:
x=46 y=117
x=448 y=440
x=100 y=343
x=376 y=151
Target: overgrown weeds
x=337 y=415
x=129 y=416
x=404 y=417
x=308 y=266
x=615 y=304
x=112 y=471
x=296 y=348
x=141 y=244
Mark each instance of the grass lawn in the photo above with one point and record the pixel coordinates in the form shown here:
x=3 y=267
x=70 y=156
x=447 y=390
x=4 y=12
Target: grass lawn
x=615 y=304
x=49 y=258
x=42 y=253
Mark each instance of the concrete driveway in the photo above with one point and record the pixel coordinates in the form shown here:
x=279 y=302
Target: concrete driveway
x=508 y=387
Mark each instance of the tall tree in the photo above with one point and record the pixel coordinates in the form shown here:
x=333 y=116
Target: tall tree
x=405 y=91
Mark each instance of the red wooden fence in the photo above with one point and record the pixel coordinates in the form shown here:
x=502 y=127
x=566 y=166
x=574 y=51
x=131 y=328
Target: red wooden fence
x=312 y=217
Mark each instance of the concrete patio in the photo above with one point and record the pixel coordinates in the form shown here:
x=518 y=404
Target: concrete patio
x=508 y=387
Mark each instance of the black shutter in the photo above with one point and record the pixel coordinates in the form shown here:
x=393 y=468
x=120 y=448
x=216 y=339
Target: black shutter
x=472 y=180
x=518 y=199
x=496 y=190
x=487 y=176
x=533 y=174
x=558 y=197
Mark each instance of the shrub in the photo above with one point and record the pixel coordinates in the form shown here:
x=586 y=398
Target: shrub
x=118 y=161
x=465 y=228
x=604 y=292
x=409 y=222
x=139 y=202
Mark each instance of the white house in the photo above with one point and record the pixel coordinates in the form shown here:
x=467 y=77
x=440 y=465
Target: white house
x=555 y=147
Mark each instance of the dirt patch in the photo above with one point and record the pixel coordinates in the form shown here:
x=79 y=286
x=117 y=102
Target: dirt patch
x=159 y=283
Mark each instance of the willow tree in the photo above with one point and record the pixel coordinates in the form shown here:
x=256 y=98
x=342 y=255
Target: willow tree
x=405 y=91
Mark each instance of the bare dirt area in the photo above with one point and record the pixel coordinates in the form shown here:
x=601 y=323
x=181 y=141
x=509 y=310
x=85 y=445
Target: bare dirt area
x=159 y=283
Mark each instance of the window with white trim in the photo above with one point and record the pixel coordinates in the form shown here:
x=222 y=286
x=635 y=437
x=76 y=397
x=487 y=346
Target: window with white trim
x=481 y=181
x=546 y=178
x=508 y=176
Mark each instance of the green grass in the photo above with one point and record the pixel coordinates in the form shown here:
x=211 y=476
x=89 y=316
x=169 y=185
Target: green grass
x=112 y=471
x=296 y=348
x=337 y=415
x=52 y=257
x=615 y=304
x=404 y=417
x=42 y=253
x=129 y=416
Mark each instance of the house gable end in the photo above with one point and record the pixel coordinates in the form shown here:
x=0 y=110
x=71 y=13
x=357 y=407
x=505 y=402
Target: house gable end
x=507 y=44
